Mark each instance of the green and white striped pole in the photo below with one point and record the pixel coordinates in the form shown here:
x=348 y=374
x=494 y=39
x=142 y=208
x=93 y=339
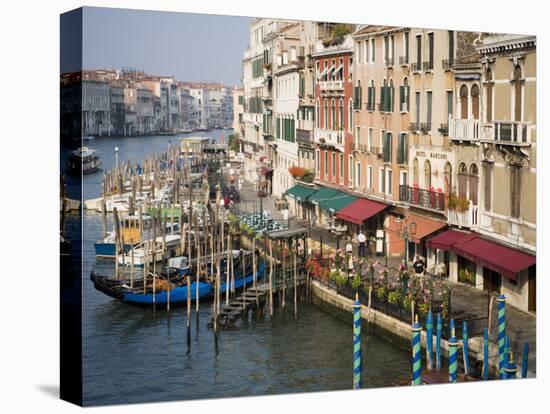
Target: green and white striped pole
x=485 y=354
x=501 y=300
x=465 y=350
x=506 y=349
x=429 y=339
x=511 y=368
x=525 y=360
x=416 y=353
x=453 y=345
x=438 y=342
x=357 y=367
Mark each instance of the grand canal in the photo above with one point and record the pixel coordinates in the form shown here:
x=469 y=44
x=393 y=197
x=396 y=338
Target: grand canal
x=133 y=355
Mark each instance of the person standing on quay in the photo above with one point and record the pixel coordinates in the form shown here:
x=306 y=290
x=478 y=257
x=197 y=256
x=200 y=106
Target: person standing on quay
x=418 y=265
x=362 y=240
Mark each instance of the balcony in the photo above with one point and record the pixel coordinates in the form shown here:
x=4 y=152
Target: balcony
x=415 y=126
x=415 y=196
x=328 y=137
x=468 y=218
x=446 y=64
x=403 y=60
x=267 y=100
x=464 y=130
x=362 y=148
x=508 y=133
x=331 y=85
x=416 y=67
x=304 y=137
x=426 y=127
x=388 y=61
x=444 y=129
x=428 y=66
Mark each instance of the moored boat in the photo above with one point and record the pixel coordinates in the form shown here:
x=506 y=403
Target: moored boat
x=83 y=160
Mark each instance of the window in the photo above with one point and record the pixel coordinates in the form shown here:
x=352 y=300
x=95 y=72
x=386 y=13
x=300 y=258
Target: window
x=326 y=114
x=449 y=104
x=388 y=181
x=517 y=82
x=333 y=166
x=369 y=139
x=489 y=95
x=431 y=50
x=515 y=191
x=357 y=136
x=381 y=181
x=392 y=44
x=317 y=111
x=371 y=96
x=333 y=121
x=341 y=166
x=350 y=115
x=448 y=178
x=387 y=147
x=402 y=148
x=341 y=114
x=369 y=177
x=427 y=175
x=358 y=174
x=417 y=102
x=326 y=164
x=403 y=178
x=429 y=110
x=473 y=182
x=372 y=54
x=451 y=56
x=404 y=96
x=463 y=102
x=386 y=49
x=419 y=50
x=475 y=101
x=359 y=52
x=462 y=180
x=415 y=171
x=366 y=51
x=406 y=46
x=487 y=179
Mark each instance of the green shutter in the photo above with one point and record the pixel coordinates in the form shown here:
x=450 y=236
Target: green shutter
x=387 y=147
x=392 y=93
x=382 y=97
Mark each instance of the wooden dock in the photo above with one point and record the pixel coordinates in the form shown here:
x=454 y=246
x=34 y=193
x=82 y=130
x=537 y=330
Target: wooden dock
x=253 y=298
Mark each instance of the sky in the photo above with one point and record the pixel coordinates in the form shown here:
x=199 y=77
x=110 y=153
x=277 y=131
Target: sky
x=191 y=47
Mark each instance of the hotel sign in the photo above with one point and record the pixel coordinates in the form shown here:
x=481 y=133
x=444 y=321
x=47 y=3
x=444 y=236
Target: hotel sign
x=432 y=155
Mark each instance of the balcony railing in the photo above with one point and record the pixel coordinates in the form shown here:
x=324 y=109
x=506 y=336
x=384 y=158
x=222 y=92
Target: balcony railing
x=415 y=126
x=423 y=198
x=329 y=137
x=444 y=129
x=388 y=61
x=304 y=137
x=416 y=66
x=428 y=66
x=362 y=148
x=403 y=60
x=467 y=218
x=446 y=64
x=425 y=127
x=331 y=85
x=512 y=133
x=464 y=130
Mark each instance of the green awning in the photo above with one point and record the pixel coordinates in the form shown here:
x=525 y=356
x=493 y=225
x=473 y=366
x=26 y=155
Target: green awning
x=323 y=194
x=300 y=193
x=337 y=202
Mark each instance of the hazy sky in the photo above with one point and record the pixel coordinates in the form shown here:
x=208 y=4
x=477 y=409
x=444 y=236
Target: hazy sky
x=194 y=47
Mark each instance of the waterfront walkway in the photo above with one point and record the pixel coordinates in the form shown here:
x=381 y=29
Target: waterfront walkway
x=466 y=301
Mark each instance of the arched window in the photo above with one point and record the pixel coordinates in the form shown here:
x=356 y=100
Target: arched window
x=517 y=93
x=325 y=121
x=475 y=101
x=473 y=184
x=489 y=94
x=448 y=178
x=462 y=180
x=415 y=171
x=341 y=113
x=464 y=102
x=487 y=190
x=350 y=115
x=427 y=175
x=391 y=93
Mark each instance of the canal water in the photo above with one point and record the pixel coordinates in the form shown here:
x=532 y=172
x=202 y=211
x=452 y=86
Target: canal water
x=133 y=355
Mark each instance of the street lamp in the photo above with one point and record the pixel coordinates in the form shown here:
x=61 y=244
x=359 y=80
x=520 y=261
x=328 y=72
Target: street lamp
x=406 y=229
x=116 y=156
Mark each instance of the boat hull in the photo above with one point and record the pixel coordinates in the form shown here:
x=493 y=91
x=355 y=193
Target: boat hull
x=108 y=250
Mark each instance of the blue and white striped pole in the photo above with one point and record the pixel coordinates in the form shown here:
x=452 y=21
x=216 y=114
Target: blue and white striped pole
x=429 y=339
x=451 y=327
x=438 y=342
x=501 y=300
x=465 y=353
x=525 y=360
x=416 y=353
x=485 y=354
x=506 y=349
x=357 y=367
x=511 y=368
x=453 y=344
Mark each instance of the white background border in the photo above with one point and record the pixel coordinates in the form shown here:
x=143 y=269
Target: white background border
x=29 y=367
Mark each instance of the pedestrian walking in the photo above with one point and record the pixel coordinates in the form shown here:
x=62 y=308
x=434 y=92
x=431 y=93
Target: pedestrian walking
x=362 y=240
x=419 y=266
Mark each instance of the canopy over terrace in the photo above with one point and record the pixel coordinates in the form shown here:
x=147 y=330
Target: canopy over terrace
x=360 y=210
x=300 y=192
x=337 y=202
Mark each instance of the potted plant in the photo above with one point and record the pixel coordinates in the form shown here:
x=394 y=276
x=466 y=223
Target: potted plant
x=394 y=297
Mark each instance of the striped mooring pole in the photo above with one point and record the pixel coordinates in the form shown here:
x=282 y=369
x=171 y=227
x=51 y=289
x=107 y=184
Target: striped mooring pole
x=485 y=354
x=357 y=367
x=501 y=300
x=438 y=342
x=506 y=350
x=465 y=351
x=511 y=368
x=453 y=344
x=525 y=360
x=429 y=339
x=416 y=353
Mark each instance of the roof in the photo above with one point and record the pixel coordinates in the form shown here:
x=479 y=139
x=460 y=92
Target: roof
x=447 y=239
x=323 y=194
x=337 y=202
x=285 y=234
x=373 y=29
x=360 y=210
x=504 y=260
x=299 y=192
x=424 y=226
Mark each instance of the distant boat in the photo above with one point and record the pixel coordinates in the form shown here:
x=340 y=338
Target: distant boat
x=83 y=160
x=174 y=280
x=87 y=137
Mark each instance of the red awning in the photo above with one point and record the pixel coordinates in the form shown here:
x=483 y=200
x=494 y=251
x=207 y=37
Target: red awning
x=504 y=260
x=360 y=210
x=447 y=239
